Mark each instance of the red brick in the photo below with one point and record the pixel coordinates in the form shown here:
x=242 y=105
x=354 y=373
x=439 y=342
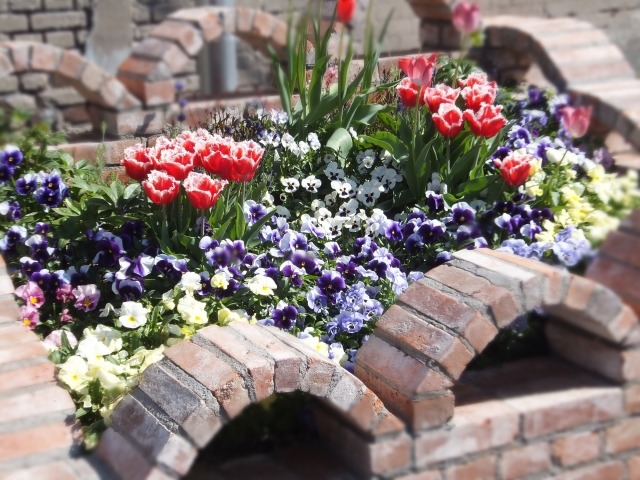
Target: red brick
x=23 y=351
x=36 y=440
x=622 y=246
x=615 y=275
x=71 y=64
x=151 y=93
x=244 y=20
x=415 y=336
x=499 y=300
x=6 y=286
x=632 y=398
x=57 y=470
x=144 y=69
x=206 y=20
x=634 y=467
x=17 y=333
x=400 y=371
x=426 y=475
x=366 y=412
x=624 y=436
x=111 y=92
x=523 y=461
x=20 y=54
x=389 y=424
x=158 y=443
x=618 y=365
x=186 y=35
x=576 y=448
x=279 y=35
x=449 y=311
x=419 y=413
x=631 y=223
x=9 y=311
x=52 y=399
x=224 y=382
x=554 y=277
x=262 y=25
x=318 y=371
x=92 y=78
x=287 y=362
x=524 y=284
x=579 y=293
x=45 y=57
x=260 y=368
x=599 y=471
x=123 y=457
x=27 y=376
x=481 y=469
x=475 y=428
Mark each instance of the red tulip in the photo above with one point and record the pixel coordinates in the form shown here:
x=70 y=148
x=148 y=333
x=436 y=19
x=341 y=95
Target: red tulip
x=410 y=94
x=233 y=161
x=419 y=69
x=479 y=94
x=345 y=9
x=137 y=162
x=466 y=17
x=576 y=120
x=448 y=120
x=487 y=121
x=202 y=190
x=477 y=78
x=515 y=168
x=161 y=187
x=440 y=94
x=177 y=163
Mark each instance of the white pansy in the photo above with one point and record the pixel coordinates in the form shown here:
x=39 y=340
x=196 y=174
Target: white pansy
x=168 y=300
x=304 y=147
x=287 y=140
x=334 y=172
x=322 y=214
x=331 y=198
x=333 y=226
x=226 y=316
x=436 y=185
x=190 y=282
x=268 y=199
x=314 y=142
x=317 y=204
x=4 y=208
x=192 y=311
x=109 y=337
x=343 y=189
x=311 y=183
x=132 y=315
x=369 y=192
x=348 y=208
x=262 y=285
x=291 y=184
x=282 y=211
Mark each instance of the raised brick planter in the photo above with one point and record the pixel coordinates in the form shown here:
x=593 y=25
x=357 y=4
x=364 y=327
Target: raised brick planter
x=409 y=413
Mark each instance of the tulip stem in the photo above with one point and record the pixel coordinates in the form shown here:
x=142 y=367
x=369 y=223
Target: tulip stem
x=448 y=156
x=165 y=227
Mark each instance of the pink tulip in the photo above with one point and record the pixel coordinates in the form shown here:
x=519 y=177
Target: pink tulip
x=419 y=69
x=576 y=120
x=466 y=17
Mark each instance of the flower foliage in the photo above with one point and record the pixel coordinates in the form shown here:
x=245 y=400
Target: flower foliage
x=312 y=219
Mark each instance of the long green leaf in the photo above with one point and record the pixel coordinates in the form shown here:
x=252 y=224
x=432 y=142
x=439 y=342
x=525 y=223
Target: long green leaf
x=252 y=232
x=341 y=142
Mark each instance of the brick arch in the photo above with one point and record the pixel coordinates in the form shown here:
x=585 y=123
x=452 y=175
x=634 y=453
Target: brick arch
x=150 y=69
x=575 y=57
x=422 y=345
x=203 y=383
x=91 y=81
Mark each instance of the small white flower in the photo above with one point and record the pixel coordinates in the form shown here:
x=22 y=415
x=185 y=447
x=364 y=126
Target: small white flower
x=304 y=147
x=282 y=211
x=330 y=198
x=287 y=140
x=192 y=311
x=349 y=208
x=344 y=189
x=220 y=280
x=168 y=300
x=333 y=172
x=133 y=314
x=333 y=226
x=190 y=282
x=314 y=142
x=262 y=285
x=268 y=199
x=311 y=183
x=290 y=184
x=322 y=214
x=369 y=192
x=4 y=208
x=295 y=149
x=317 y=204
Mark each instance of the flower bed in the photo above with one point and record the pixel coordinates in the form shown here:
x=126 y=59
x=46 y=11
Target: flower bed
x=313 y=219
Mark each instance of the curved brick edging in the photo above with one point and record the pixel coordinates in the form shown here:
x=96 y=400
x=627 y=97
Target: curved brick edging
x=576 y=57
x=39 y=436
x=441 y=322
x=150 y=69
x=203 y=383
x=96 y=85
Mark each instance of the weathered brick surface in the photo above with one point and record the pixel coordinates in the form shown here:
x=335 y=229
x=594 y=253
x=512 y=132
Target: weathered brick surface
x=482 y=469
x=36 y=440
x=576 y=448
x=524 y=461
x=501 y=303
x=612 y=470
x=187 y=36
x=624 y=436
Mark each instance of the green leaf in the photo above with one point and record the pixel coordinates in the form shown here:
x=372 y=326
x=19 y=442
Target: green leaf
x=131 y=191
x=252 y=232
x=389 y=142
x=221 y=231
x=476 y=185
x=240 y=223
x=341 y=142
x=364 y=114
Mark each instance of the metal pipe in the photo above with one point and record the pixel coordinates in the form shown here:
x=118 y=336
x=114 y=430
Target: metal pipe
x=218 y=64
